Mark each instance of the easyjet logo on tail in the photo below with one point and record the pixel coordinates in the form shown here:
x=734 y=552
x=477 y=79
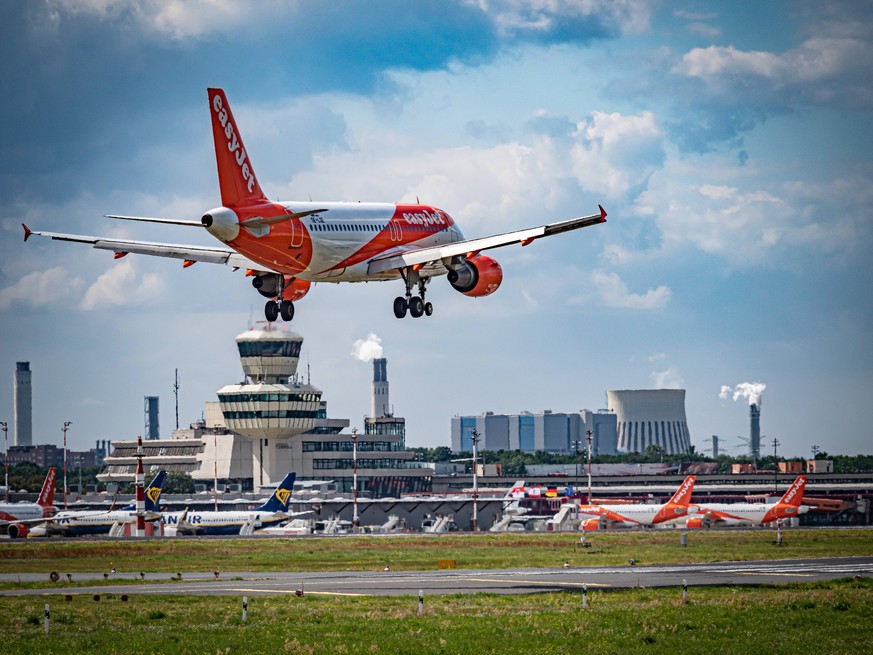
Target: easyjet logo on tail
x=233 y=144
x=798 y=485
x=683 y=494
x=48 y=489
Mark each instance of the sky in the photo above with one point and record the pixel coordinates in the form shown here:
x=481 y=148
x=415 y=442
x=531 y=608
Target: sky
x=730 y=144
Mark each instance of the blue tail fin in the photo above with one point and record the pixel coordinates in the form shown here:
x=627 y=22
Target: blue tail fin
x=281 y=498
x=152 y=494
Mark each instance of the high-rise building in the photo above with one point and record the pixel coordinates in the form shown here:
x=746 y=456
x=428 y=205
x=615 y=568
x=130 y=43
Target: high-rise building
x=152 y=417
x=23 y=405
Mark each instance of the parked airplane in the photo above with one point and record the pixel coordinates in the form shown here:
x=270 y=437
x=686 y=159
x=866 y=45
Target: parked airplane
x=274 y=511
x=76 y=523
x=630 y=515
x=18 y=518
x=712 y=514
x=286 y=246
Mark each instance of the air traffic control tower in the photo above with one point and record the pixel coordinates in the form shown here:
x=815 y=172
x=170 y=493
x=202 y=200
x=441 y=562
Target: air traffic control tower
x=273 y=405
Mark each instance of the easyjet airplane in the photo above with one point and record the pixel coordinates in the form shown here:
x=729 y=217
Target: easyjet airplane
x=632 y=515
x=789 y=505
x=18 y=517
x=286 y=246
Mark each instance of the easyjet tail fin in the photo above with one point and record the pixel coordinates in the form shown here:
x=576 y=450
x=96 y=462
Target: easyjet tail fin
x=281 y=498
x=236 y=177
x=683 y=493
x=47 y=495
x=794 y=495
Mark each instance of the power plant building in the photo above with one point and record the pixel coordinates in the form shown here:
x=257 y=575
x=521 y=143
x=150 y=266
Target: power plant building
x=553 y=432
x=650 y=417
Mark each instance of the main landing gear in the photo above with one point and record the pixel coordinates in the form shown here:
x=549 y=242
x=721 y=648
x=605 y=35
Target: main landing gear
x=415 y=305
x=284 y=308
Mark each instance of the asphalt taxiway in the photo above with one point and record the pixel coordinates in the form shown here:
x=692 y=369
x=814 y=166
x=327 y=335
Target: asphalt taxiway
x=497 y=581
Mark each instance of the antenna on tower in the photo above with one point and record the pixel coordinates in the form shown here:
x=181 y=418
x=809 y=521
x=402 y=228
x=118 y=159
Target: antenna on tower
x=176 y=391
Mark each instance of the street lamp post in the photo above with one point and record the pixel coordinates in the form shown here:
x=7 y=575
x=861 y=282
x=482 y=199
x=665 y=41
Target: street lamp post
x=475 y=439
x=589 y=466
x=6 y=443
x=67 y=425
x=775 y=467
x=355 y=477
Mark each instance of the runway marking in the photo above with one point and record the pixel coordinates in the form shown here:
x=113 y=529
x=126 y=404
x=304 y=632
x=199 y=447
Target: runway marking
x=540 y=583
x=787 y=575
x=294 y=591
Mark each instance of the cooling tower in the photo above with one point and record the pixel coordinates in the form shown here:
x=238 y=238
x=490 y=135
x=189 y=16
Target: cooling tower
x=650 y=417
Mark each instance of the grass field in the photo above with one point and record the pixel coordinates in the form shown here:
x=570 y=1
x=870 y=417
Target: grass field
x=833 y=617
x=417 y=552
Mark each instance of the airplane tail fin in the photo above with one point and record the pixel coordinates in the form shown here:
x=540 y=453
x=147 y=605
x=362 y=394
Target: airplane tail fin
x=47 y=495
x=153 y=492
x=683 y=493
x=794 y=495
x=517 y=491
x=236 y=177
x=281 y=498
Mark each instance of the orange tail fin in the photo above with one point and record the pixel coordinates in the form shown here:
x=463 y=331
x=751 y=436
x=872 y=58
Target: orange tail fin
x=794 y=495
x=683 y=493
x=236 y=177
x=47 y=495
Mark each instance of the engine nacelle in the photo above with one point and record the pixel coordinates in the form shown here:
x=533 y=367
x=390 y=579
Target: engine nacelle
x=17 y=530
x=477 y=276
x=267 y=285
x=295 y=288
x=590 y=524
x=222 y=223
x=696 y=523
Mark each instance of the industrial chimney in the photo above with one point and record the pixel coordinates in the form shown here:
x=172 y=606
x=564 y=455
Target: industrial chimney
x=380 y=405
x=755 y=431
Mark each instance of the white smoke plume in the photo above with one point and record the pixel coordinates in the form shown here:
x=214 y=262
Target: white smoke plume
x=750 y=390
x=367 y=349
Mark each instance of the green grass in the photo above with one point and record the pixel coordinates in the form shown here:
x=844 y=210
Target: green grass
x=416 y=552
x=831 y=617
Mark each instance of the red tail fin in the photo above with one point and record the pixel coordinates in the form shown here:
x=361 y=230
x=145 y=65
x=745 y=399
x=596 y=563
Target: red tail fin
x=47 y=495
x=236 y=177
x=683 y=493
x=794 y=495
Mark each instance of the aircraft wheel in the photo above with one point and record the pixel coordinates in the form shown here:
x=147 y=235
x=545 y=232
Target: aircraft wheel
x=400 y=307
x=271 y=310
x=428 y=308
x=416 y=307
x=286 y=310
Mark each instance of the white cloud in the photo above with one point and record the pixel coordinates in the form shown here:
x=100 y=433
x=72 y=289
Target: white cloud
x=41 y=288
x=615 y=293
x=367 y=349
x=119 y=285
x=543 y=16
x=822 y=69
x=616 y=154
x=667 y=379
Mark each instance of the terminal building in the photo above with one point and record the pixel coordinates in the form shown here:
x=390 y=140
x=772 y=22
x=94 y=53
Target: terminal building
x=275 y=423
x=548 y=431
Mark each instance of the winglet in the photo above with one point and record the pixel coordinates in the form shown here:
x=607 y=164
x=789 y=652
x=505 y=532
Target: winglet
x=27 y=232
x=602 y=213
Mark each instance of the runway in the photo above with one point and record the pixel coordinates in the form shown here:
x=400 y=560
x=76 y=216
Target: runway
x=502 y=581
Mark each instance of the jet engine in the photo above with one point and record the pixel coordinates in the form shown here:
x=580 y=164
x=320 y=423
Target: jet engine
x=222 y=223
x=267 y=285
x=696 y=522
x=477 y=276
x=17 y=530
x=590 y=524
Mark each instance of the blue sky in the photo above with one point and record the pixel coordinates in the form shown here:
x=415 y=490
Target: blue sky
x=729 y=142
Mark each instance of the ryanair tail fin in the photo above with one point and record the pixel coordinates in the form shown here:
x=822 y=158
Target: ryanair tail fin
x=236 y=177
x=153 y=492
x=281 y=498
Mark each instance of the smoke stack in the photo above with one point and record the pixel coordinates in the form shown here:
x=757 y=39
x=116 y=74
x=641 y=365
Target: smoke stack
x=379 y=405
x=755 y=430
x=140 y=491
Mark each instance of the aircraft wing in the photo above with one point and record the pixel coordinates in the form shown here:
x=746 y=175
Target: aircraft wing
x=421 y=256
x=122 y=247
